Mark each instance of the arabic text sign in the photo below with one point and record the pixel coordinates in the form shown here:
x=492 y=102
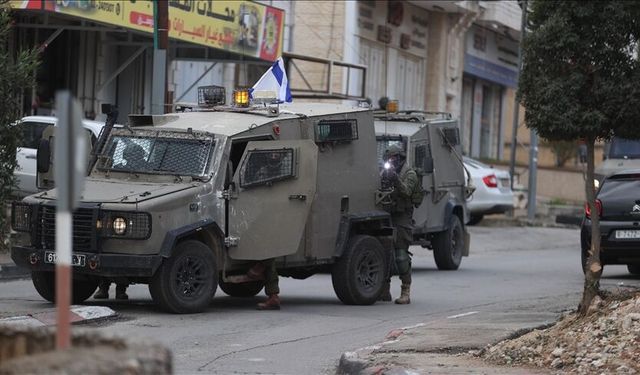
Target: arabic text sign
x=243 y=27
x=136 y=15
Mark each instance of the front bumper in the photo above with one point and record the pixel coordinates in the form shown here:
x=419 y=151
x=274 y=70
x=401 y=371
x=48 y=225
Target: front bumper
x=104 y=265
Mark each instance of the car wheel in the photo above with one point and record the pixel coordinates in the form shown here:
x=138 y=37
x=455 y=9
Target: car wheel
x=359 y=274
x=448 y=246
x=475 y=219
x=186 y=281
x=45 y=284
x=634 y=269
x=249 y=289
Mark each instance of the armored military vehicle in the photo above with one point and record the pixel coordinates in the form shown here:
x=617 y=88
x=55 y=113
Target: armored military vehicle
x=187 y=202
x=432 y=142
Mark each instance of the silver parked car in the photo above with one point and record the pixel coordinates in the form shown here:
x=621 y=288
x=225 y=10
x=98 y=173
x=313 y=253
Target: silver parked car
x=493 y=194
x=31 y=128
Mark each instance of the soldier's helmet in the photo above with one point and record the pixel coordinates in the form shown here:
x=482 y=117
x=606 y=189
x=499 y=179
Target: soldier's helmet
x=396 y=150
x=134 y=154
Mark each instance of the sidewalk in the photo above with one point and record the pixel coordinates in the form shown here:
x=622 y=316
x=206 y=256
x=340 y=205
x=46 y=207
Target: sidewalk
x=444 y=346
x=8 y=269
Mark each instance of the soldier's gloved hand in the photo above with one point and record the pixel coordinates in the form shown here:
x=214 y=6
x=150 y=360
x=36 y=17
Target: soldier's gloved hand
x=392 y=176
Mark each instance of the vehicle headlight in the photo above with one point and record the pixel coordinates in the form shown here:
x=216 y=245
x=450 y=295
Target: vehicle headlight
x=596 y=183
x=119 y=226
x=129 y=225
x=21 y=217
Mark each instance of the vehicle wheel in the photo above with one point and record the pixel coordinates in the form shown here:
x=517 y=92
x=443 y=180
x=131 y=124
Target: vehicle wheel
x=634 y=269
x=448 y=246
x=186 y=282
x=249 y=289
x=45 y=284
x=475 y=219
x=358 y=276
x=584 y=256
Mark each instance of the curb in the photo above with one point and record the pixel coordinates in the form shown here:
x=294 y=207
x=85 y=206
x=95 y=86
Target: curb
x=356 y=362
x=10 y=271
x=78 y=315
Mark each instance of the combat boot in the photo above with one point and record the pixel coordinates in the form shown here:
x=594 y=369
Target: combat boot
x=405 y=291
x=272 y=303
x=103 y=291
x=121 y=292
x=385 y=296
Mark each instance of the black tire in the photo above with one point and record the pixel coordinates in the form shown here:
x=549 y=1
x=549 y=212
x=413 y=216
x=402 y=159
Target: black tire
x=633 y=269
x=45 y=284
x=475 y=219
x=186 y=281
x=584 y=257
x=359 y=275
x=249 y=289
x=448 y=246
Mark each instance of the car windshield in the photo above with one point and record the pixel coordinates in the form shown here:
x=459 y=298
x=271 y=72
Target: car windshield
x=622 y=148
x=157 y=152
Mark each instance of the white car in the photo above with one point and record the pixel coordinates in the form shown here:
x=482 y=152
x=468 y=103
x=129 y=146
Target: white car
x=31 y=128
x=492 y=195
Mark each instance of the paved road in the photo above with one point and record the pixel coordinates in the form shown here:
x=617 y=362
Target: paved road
x=515 y=270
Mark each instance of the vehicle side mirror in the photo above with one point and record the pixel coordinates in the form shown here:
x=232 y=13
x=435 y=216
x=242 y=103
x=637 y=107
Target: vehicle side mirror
x=43 y=159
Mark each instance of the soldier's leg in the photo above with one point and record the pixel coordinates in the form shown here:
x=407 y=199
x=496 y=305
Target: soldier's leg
x=103 y=290
x=121 y=291
x=403 y=263
x=271 y=287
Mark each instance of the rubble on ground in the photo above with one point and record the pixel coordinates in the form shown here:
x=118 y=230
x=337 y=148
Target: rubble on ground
x=607 y=340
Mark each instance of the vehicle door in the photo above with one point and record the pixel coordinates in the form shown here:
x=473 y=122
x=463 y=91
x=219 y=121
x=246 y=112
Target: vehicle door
x=26 y=155
x=273 y=190
x=45 y=155
x=419 y=155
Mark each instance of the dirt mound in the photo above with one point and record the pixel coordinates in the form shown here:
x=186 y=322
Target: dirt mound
x=607 y=340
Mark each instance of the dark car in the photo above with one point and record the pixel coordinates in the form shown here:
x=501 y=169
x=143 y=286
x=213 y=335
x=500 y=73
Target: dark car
x=618 y=206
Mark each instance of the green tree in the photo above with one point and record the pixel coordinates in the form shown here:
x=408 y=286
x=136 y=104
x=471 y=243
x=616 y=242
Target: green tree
x=16 y=73
x=580 y=80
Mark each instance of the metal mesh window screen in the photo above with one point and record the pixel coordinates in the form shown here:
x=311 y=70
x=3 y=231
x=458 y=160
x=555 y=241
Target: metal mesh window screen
x=262 y=167
x=138 y=224
x=158 y=152
x=423 y=159
x=336 y=130
x=452 y=135
x=420 y=155
x=211 y=95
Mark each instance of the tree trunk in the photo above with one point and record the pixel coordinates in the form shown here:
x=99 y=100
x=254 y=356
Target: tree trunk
x=594 y=265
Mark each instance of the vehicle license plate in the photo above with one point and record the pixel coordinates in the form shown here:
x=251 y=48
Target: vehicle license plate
x=623 y=234
x=76 y=260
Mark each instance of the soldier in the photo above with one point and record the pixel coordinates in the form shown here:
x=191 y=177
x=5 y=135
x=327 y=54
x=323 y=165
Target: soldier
x=405 y=182
x=103 y=290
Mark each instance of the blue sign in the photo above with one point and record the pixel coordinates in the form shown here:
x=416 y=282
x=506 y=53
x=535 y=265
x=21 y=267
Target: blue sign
x=490 y=71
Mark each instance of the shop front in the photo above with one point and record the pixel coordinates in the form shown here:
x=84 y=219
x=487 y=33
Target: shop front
x=489 y=82
x=392 y=41
x=103 y=51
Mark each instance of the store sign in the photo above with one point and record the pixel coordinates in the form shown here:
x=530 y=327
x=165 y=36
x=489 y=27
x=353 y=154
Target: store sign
x=242 y=27
x=491 y=56
x=396 y=23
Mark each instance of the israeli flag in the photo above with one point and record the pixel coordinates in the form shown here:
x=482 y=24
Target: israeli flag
x=275 y=79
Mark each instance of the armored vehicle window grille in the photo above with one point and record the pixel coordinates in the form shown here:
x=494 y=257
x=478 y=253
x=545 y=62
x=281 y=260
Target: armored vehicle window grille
x=263 y=167
x=211 y=95
x=84 y=229
x=422 y=159
x=336 y=130
x=158 y=152
x=452 y=135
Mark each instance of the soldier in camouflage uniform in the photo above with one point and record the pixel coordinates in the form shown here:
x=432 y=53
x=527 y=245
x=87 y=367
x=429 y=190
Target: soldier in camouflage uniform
x=405 y=182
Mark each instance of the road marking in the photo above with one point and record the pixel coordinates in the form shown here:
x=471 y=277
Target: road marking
x=461 y=315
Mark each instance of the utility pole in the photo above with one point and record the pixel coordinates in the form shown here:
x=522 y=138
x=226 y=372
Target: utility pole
x=160 y=42
x=516 y=104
